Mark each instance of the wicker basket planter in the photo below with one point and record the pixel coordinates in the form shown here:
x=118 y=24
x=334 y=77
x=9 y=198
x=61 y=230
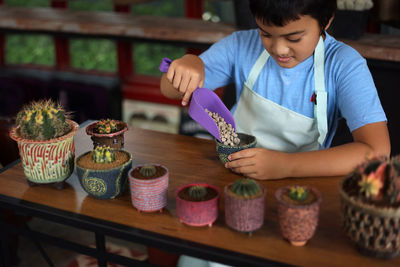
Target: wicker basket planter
x=48 y=161
x=197 y=213
x=106 y=183
x=298 y=222
x=149 y=194
x=114 y=140
x=246 y=141
x=374 y=230
x=244 y=214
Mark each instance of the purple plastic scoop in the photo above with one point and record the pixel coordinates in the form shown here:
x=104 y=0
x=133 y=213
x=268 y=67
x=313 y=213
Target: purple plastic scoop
x=202 y=99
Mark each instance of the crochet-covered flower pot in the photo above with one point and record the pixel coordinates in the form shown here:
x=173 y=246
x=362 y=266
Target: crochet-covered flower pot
x=244 y=214
x=375 y=230
x=114 y=139
x=246 y=141
x=298 y=220
x=149 y=187
x=197 y=212
x=48 y=161
x=104 y=181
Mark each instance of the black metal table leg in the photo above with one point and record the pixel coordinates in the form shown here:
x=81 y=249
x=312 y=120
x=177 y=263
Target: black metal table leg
x=4 y=253
x=101 y=249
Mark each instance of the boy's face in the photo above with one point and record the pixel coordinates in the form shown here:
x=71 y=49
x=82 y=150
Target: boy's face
x=292 y=43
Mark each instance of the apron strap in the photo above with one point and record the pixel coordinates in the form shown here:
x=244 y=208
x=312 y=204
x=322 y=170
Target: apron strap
x=256 y=69
x=321 y=95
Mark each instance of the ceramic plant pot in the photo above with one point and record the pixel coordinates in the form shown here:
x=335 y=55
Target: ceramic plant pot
x=244 y=215
x=246 y=141
x=48 y=161
x=106 y=183
x=373 y=230
x=197 y=213
x=298 y=222
x=149 y=194
x=114 y=140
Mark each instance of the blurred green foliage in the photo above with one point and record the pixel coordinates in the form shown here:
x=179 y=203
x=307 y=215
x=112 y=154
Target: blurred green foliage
x=94 y=54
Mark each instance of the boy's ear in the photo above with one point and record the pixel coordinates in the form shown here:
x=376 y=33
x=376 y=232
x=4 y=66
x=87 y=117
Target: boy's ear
x=329 y=22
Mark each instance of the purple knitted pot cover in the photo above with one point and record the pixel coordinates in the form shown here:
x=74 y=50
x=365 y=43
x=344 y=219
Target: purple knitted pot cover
x=298 y=222
x=244 y=215
x=197 y=213
x=149 y=194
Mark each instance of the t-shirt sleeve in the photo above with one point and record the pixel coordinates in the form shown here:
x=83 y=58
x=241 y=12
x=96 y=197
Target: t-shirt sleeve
x=218 y=62
x=358 y=99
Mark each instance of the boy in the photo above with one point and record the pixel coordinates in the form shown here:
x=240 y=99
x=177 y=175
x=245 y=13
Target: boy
x=293 y=84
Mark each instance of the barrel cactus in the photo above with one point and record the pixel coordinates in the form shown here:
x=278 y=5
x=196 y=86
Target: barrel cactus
x=197 y=192
x=103 y=155
x=106 y=126
x=298 y=193
x=148 y=170
x=42 y=120
x=245 y=187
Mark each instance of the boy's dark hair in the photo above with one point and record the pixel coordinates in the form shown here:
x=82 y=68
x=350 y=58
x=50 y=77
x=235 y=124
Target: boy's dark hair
x=280 y=12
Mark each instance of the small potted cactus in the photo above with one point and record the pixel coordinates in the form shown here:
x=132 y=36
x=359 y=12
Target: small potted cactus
x=107 y=132
x=45 y=137
x=298 y=210
x=103 y=172
x=244 y=205
x=149 y=187
x=197 y=204
x=370 y=206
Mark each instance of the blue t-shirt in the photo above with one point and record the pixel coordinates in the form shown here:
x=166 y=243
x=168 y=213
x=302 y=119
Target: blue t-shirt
x=351 y=90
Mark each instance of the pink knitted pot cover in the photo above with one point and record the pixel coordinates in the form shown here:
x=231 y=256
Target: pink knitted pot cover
x=199 y=213
x=149 y=194
x=244 y=215
x=298 y=222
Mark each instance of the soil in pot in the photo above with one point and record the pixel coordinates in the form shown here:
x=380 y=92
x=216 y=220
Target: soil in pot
x=87 y=162
x=184 y=194
x=160 y=171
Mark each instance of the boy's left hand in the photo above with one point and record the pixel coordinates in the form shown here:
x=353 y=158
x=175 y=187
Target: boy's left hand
x=259 y=163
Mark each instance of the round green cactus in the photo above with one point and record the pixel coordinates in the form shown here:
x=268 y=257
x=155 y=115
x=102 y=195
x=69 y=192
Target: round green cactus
x=106 y=126
x=197 y=192
x=42 y=120
x=103 y=154
x=245 y=187
x=298 y=193
x=148 y=170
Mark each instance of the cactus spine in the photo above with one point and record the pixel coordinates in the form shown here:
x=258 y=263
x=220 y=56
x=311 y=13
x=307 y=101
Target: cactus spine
x=245 y=187
x=103 y=154
x=42 y=120
x=197 y=192
x=148 y=170
x=298 y=193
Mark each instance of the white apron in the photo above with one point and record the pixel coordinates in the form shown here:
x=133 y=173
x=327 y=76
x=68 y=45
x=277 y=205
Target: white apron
x=276 y=127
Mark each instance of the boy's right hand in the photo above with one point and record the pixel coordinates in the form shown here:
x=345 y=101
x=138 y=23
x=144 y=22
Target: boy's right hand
x=186 y=74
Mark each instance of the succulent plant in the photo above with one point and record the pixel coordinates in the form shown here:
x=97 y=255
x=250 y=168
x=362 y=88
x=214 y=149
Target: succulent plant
x=298 y=193
x=245 y=187
x=197 y=192
x=103 y=154
x=148 y=170
x=106 y=126
x=42 y=120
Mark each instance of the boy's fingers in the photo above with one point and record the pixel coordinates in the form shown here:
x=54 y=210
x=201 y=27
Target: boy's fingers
x=243 y=162
x=170 y=74
x=242 y=154
x=246 y=171
x=177 y=80
x=183 y=87
x=186 y=98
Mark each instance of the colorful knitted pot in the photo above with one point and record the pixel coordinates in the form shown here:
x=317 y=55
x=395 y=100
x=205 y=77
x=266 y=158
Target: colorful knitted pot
x=246 y=141
x=149 y=194
x=104 y=184
x=48 y=161
x=114 y=140
x=298 y=222
x=244 y=215
x=197 y=213
x=375 y=231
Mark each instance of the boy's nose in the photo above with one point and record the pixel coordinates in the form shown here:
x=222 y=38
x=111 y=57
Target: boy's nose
x=279 y=47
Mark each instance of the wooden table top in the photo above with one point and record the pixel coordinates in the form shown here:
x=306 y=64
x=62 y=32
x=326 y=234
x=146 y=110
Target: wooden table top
x=190 y=159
